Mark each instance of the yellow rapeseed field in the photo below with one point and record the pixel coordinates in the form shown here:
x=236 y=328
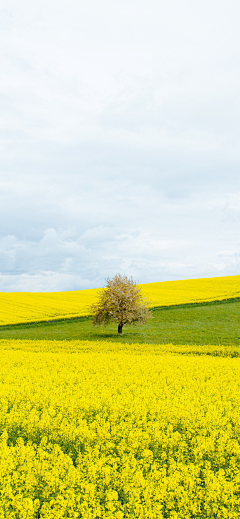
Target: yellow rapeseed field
x=24 y=307
x=167 y=293
x=103 y=431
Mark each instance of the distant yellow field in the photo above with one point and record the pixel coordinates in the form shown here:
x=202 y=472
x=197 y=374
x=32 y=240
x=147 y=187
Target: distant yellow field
x=23 y=307
x=167 y=293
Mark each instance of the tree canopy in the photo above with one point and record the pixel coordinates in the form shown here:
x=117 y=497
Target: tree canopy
x=120 y=301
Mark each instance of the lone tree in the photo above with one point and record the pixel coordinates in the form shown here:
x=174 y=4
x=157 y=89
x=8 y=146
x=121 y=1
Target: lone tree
x=120 y=301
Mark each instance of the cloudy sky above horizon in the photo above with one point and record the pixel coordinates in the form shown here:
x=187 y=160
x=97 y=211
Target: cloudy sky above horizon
x=119 y=135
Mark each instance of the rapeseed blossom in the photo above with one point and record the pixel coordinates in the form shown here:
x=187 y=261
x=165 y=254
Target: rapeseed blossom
x=25 y=307
x=167 y=293
x=97 y=430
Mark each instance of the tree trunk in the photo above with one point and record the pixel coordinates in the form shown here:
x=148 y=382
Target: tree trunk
x=120 y=327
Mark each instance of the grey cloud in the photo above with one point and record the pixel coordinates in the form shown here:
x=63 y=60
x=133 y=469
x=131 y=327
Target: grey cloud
x=119 y=142
x=73 y=260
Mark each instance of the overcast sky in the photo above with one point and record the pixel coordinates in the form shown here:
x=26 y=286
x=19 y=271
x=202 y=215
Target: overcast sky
x=119 y=132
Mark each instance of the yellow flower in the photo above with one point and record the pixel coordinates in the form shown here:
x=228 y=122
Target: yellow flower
x=25 y=307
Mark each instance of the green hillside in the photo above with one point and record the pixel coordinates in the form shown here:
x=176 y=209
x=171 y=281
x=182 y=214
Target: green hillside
x=206 y=323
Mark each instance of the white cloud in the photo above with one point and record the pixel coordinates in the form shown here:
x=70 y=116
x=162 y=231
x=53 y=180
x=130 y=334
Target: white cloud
x=167 y=243
x=119 y=141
